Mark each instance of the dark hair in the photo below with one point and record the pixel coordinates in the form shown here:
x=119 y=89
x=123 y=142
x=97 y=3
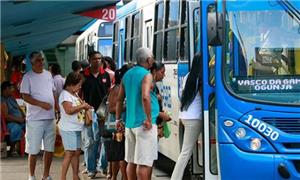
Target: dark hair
x=5 y=85
x=34 y=53
x=120 y=73
x=191 y=89
x=76 y=65
x=92 y=53
x=110 y=61
x=72 y=79
x=156 y=66
x=84 y=64
x=55 y=69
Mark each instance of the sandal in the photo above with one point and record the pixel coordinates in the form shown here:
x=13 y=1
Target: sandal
x=14 y=154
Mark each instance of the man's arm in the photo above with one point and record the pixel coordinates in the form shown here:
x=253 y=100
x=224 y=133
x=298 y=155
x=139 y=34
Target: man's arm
x=120 y=100
x=55 y=96
x=36 y=102
x=119 y=106
x=146 y=100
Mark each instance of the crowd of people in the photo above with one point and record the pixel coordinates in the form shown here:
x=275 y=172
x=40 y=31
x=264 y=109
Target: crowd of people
x=125 y=140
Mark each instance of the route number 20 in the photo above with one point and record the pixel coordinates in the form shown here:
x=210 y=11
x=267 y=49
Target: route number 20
x=108 y=14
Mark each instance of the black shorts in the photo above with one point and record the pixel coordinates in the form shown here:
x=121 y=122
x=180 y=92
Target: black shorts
x=115 y=151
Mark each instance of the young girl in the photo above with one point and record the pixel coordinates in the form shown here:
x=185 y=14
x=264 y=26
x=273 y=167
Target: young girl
x=72 y=111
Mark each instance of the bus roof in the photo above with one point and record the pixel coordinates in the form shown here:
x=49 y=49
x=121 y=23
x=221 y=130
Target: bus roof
x=38 y=22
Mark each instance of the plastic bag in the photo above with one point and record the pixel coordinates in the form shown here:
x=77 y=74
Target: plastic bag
x=166 y=129
x=59 y=148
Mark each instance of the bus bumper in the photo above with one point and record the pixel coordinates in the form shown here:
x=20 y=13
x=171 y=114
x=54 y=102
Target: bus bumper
x=236 y=164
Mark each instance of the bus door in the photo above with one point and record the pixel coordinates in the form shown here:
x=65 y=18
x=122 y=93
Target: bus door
x=206 y=145
x=194 y=44
x=209 y=97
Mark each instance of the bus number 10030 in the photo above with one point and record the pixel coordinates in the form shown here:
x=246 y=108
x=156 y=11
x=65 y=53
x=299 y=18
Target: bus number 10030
x=262 y=127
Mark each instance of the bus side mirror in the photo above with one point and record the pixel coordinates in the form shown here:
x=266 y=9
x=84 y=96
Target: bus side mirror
x=215 y=28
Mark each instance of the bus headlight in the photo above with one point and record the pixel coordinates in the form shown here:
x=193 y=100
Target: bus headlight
x=246 y=138
x=240 y=133
x=255 y=144
x=228 y=123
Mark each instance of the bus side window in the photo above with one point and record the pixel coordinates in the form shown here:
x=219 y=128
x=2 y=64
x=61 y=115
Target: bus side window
x=127 y=39
x=135 y=35
x=158 y=31
x=172 y=35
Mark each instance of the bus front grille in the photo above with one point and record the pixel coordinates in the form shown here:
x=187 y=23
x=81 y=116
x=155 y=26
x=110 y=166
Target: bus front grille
x=288 y=125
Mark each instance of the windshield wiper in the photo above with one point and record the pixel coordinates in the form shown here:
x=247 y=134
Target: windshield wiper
x=290 y=9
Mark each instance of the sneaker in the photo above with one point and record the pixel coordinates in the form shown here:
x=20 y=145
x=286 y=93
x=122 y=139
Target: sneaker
x=91 y=175
x=83 y=164
x=47 y=178
x=102 y=171
x=32 y=178
x=85 y=171
x=14 y=154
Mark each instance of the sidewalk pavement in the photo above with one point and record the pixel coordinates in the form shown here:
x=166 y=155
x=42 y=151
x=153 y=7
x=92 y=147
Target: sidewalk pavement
x=16 y=168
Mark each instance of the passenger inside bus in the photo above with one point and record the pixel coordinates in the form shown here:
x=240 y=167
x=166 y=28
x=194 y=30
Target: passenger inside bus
x=271 y=61
x=271 y=54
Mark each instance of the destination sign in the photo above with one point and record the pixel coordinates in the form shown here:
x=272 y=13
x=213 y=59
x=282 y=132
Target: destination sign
x=267 y=84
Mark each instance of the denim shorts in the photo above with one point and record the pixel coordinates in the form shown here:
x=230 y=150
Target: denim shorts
x=71 y=140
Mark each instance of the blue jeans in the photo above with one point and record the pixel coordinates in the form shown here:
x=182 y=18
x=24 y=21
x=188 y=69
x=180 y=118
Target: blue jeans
x=102 y=161
x=89 y=146
x=15 y=131
x=91 y=140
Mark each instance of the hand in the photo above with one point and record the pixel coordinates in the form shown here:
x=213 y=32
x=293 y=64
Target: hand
x=160 y=131
x=164 y=116
x=119 y=126
x=45 y=106
x=21 y=119
x=86 y=106
x=147 y=124
x=159 y=97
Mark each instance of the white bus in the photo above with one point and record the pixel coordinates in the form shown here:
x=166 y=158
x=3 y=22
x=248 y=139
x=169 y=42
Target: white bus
x=98 y=37
x=165 y=27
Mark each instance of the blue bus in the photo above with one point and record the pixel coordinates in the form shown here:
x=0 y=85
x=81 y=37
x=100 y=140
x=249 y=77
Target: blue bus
x=251 y=79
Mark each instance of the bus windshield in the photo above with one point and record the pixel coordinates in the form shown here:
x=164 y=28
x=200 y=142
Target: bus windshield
x=262 y=52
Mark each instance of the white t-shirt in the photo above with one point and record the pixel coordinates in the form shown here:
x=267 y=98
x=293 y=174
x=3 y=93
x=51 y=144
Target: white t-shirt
x=39 y=86
x=194 y=111
x=68 y=122
x=59 y=82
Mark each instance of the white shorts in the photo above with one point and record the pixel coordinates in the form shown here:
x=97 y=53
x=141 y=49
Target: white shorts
x=38 y=131
x=141 y=145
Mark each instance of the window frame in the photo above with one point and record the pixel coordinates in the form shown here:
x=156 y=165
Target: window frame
x=127 y=49
x=164 y=30
x=138 y=35
x=116 y=26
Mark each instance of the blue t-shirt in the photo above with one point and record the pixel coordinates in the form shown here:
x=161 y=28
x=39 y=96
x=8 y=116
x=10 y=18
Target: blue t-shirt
x=135 y=114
